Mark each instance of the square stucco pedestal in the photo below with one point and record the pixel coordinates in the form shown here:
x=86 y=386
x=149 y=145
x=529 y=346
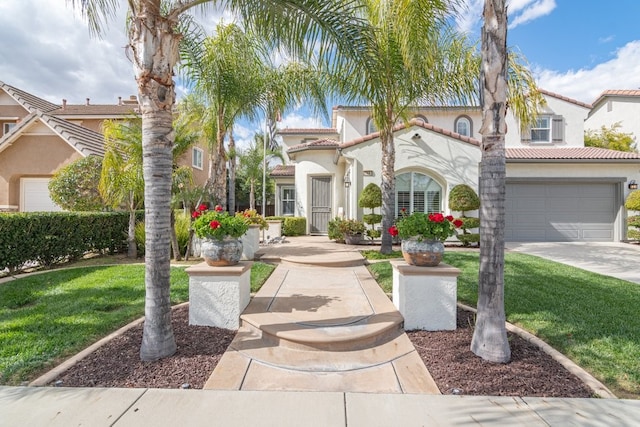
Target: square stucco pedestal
x=218 y=295
x=426 y=296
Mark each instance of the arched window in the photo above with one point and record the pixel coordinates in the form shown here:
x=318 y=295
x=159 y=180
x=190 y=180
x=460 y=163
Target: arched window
x=420 y=118
x=371 y=127
x=416 y=192
x=463 y=126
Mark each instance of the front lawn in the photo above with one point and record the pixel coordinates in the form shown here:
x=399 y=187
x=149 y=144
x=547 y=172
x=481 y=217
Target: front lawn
x=47 y=317
x=593 y=319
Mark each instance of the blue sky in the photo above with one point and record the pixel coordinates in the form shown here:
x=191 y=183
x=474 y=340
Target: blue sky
x=576 y=48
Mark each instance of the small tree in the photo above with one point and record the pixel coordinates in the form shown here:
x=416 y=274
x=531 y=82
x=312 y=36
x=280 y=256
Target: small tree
x=75 y=186
x=463 y=198
x=371 y=197
x=633 y=222
x=611 y=138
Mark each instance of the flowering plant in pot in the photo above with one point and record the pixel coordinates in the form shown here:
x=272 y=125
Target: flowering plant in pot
x=422 y=236
x=219 y=232
x=252 y=217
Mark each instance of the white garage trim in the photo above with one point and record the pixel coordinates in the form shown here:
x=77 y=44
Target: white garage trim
x=34 y=196
x=568 y=209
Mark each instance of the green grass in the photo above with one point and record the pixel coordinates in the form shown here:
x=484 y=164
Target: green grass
x=50 y=316
x=593 y=319
x=382 y=272
x=373 y=254
x=260 y=272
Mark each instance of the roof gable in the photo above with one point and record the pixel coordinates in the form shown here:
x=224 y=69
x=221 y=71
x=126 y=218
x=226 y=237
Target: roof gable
x=83 y=140
x=568 y=154
x=30 y=102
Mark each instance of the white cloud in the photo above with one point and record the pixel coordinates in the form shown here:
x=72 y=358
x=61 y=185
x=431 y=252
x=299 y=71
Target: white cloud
x=585 y=84
x=520 y=12
x=530 y=10
x=296 y=121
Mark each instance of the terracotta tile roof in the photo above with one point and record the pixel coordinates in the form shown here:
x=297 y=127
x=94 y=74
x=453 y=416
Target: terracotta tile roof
x=97 y=110
x=319 y=144
x=417 y=123
x=303 y=131
x=565 y=98
x=616 y=92
x=284 y=170
x=30 y=102
x=573 y=153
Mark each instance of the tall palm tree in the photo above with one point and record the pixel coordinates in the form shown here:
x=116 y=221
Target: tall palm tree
x=414 y=57
x=154 y=37
x=490 y=335
x=252 y=163
x=121 y=180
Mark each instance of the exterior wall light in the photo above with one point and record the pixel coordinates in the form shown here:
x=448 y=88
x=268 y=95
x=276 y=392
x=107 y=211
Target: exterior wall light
x=633 y=185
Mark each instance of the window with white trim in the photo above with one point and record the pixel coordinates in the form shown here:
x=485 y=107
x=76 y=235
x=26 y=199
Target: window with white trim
x=198 y=158
x=7 y=127
x=416 y=192
x=288 y=200
x=463 y=126
x=371 y=126
x=546 y=129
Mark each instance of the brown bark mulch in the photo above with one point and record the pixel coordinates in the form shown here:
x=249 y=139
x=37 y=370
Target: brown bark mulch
x=454 y=367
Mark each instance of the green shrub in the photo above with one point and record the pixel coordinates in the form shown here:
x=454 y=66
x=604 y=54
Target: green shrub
x=633 y=201
x=633 y=221
x=334 y=232
x=470 y=222
x=464 y=198
x=633 y=234
x=75 y=186
x=469 y=238
x=371 y=197
x=140 y=237
x=182 y=225
x=48 y=238
x=291 y=225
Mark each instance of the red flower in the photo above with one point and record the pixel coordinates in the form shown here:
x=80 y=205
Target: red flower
x=247 y=215
x=218 y=208
x=436 y=217
x=458 y=223
x=449 y=218
x=393 y=230
x=214 y=224
x=202 y=207
x=195 y=214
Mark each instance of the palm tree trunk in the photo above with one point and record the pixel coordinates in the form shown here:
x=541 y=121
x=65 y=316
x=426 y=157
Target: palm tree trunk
x=388 y=188
x=252 y=195
x=154 y=46
x=232 y=173
x=490 y=335
x=174 y=238
x=220 y=173
x=132 y=247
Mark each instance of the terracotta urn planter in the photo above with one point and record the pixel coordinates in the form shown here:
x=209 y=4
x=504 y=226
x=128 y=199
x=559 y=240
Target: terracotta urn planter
x=422 y=253
x=219 y=253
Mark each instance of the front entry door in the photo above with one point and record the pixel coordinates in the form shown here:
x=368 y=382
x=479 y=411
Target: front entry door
x=320 y=204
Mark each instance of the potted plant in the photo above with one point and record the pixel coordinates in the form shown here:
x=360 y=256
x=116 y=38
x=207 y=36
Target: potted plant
x=220 y=234
x=423 y=236
x=352 y=230
x=251 y=239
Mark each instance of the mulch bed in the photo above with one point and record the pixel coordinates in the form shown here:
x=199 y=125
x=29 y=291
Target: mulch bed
x=454 y=367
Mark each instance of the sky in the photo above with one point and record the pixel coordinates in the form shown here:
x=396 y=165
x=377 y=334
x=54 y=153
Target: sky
x=576 y=48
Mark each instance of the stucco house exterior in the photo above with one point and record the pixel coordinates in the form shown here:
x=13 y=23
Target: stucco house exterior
x=38 y=137
x=616 y=106
x=557 y=189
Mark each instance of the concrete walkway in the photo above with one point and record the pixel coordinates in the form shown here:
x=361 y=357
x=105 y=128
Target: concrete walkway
x=322 y=323
x=303 y=315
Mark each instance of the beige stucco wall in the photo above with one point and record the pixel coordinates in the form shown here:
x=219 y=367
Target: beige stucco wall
x=447 y=160
x=31 y=156
x=623 y=110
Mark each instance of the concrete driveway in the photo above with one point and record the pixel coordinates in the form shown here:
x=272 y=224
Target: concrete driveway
x=619 y=260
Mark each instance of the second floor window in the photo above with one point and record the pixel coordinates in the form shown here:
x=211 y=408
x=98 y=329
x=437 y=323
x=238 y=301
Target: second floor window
x=463 y=126
x=198 y=155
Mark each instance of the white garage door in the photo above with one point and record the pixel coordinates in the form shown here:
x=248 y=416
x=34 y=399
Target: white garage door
x=34 y=195
x=560 y=212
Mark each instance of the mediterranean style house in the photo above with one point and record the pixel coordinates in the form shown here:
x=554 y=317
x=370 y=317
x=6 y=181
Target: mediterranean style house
x=557 y=189
x=38 y=137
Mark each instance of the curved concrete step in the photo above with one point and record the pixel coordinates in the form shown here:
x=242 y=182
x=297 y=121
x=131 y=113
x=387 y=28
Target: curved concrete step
x=338 y=259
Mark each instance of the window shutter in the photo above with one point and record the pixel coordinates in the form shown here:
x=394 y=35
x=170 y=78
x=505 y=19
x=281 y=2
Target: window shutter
x=557 y=129
x=525 y=135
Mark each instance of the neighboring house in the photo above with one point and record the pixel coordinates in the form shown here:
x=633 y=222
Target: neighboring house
x=38 y=137
x=557 y=190
x=616 y=106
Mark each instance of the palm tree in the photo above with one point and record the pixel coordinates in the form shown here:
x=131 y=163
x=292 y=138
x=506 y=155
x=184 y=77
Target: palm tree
x=121 y=179
x=490 y=335
x=252 y=162
x=154 y=37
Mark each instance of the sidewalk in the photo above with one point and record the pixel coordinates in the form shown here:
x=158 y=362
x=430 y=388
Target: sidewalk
x=34 y=407
x=324 y=328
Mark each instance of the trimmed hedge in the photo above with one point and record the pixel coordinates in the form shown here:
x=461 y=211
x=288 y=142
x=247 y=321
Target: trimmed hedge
x=47 y=238
x=291 y=225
